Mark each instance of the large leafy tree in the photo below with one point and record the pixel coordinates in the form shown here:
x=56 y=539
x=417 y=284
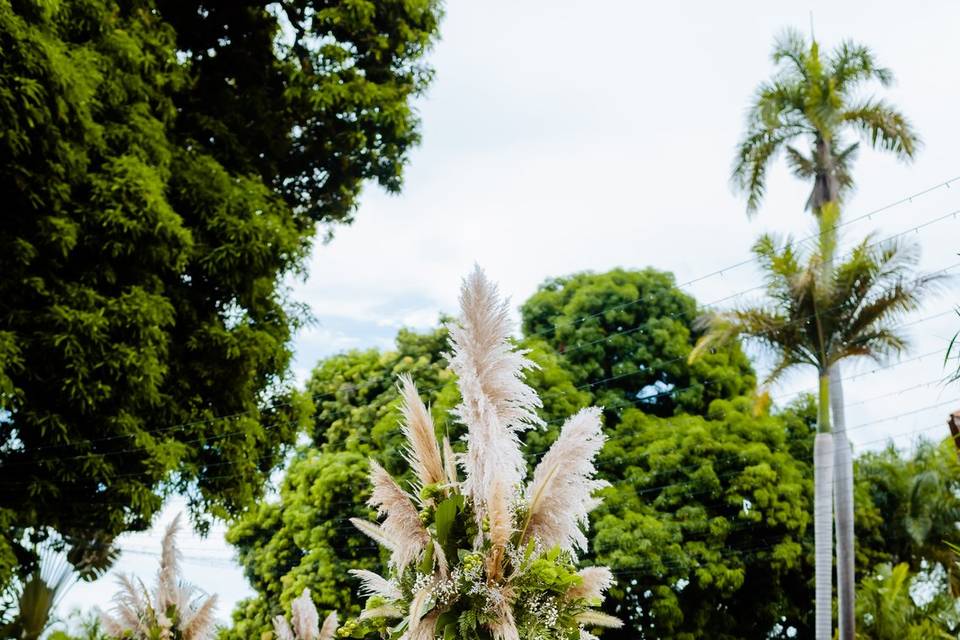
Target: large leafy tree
x=706 y=523
x=909 y=507
x=817 y=315
x=625 y=336
x=165 y=165
x=817 y=100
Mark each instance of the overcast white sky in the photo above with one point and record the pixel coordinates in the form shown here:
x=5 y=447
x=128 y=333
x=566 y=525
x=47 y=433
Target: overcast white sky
x=561 y=136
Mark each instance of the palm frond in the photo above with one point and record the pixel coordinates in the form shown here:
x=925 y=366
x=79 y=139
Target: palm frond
x=850 y=64
x=801 y=166
x=884 y=126
x=791 y=46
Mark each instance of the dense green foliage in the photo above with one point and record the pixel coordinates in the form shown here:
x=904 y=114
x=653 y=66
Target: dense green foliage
x=165 y=165
x=625 y=336
x=909 y=507
x=888 y=608
x=706 y=523
x=304 y=539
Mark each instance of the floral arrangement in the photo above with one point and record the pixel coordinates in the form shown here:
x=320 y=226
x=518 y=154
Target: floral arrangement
x=175 y=610
x=488 y=555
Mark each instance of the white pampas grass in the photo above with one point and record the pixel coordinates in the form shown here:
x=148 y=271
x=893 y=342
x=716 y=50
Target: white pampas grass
x=504 y=626
x=304 y=618
x=449 y=463
x=593 y=618
x=423 y=452
x=373 y=584
x=425 y=628
x=594 y=581
x=168 y=592
x=561 y=494
x=282 y=629
x=200 y=618
x=496 y=403
x=376 y=533
x=402 y=523
x=139 y=615
x=329 y=629
x=420 y=626
x=517 y=523
x=383 y=611
x=304 y=621
x=500 y=521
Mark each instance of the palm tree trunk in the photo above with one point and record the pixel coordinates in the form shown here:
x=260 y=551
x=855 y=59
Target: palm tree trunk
x=823 y=463
x=826 y=192
x=843 y=495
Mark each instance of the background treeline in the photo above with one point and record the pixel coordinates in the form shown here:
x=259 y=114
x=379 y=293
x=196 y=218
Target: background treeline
x=708 y=519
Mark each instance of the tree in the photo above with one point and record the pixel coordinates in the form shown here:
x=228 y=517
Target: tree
x=625 y=337
x=909 y=507
x=165 y=166
x=818 y=316
x=706 y=523
x=818 y=99
x=304 y=540
x=55 y=566
x=886 y=609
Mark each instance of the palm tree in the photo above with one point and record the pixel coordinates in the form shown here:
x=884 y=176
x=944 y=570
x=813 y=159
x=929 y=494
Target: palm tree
x=817 y=100
x=60 y=563
x=820 y=316
x=890 y=613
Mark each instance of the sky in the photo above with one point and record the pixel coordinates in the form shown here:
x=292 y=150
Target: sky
x=564 y=136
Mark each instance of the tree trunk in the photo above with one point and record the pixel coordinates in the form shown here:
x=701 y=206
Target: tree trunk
x=826 y=193
x=843 y=496
x=823 y=462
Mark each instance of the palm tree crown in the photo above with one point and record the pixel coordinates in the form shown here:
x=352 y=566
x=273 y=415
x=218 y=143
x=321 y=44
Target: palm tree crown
x=817 y=99
x=817 y=316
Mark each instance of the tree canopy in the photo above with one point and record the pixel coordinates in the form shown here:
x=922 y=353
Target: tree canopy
x=706 y=522
x=625 y=336
x=165 y=167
